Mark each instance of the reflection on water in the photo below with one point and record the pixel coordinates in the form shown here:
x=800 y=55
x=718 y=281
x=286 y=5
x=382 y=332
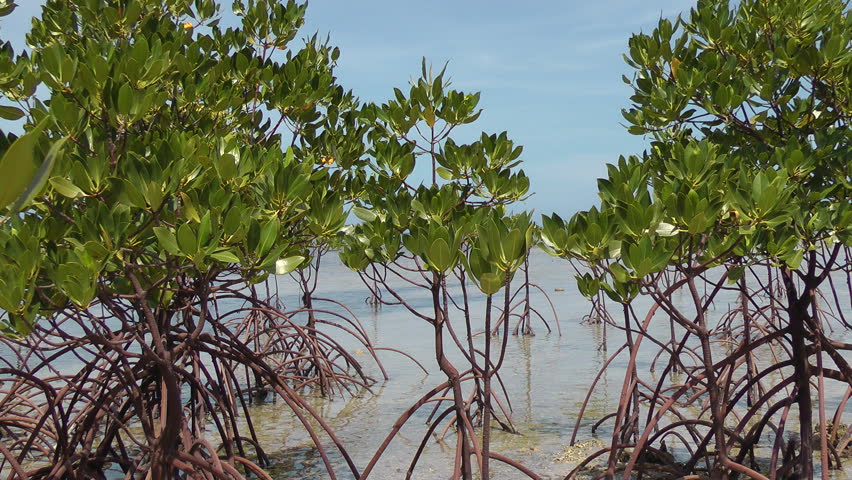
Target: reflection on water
x=546 y=376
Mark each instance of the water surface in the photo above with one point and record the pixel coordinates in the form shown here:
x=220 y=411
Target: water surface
x=546 y=375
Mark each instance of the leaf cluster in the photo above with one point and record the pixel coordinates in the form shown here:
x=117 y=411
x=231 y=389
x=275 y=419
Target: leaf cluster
x=748 y=112
x=459 y=219
x=193 y=150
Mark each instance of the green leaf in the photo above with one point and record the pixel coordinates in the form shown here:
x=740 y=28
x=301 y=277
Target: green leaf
x=666 y=229
x=204 y=230
x=167 y=240
x=364 y=214
x=125 y=99
x=444 y=173
x=794 y=260
x=17 y=166
x=225 y=256
x=77 y=281
x=284 y=266
x=6 y=7
x=10 y=113
x=233 y=220
x=65 y=187
x=439 y=255
x=188 y=208
x=186 y=240
x=267 y=236
x=619 y=273
x=490 y=283
x=40 y=177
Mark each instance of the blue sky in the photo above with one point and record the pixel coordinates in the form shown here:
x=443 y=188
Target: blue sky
x=549 y=72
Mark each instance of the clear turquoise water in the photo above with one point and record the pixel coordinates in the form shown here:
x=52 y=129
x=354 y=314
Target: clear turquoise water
x=546 y=376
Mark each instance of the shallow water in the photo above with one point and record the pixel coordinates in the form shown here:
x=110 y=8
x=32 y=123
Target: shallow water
x=546 y=375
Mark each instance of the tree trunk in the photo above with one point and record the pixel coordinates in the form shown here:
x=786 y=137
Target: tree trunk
x=798 y=313
x=452 y=375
